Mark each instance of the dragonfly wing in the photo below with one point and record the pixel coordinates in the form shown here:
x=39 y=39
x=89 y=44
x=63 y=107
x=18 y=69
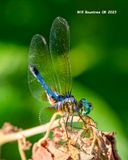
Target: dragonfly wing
x=45 y=114
x=39 y=56
x=59 y=46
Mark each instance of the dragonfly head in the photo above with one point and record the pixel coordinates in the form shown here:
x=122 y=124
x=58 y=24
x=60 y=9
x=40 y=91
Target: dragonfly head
x=85 y=106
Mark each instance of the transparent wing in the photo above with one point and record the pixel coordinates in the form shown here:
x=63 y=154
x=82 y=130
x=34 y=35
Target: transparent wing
x=39 y=56
x=45 y=114
x=59 y=45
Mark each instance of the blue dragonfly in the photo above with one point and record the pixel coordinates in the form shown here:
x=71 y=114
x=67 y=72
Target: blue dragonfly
x=50 y=71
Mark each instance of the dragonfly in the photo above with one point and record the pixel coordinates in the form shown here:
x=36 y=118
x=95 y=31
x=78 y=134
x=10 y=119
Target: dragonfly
x=50 y=70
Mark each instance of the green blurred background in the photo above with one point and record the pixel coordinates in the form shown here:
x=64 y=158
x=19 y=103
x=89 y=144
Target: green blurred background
x=99 y=57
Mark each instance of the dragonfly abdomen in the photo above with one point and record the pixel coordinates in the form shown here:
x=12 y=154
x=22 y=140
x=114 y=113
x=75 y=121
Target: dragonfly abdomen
x=40 y=79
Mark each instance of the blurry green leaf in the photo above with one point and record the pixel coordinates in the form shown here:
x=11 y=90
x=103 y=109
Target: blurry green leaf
x=120 y=60
x=84 y=57
x=12 y=59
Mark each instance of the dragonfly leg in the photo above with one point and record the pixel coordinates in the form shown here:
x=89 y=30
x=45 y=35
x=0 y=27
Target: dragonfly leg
x=71 y=121
x=82 y=119
x=66 y=123
x=49 y=128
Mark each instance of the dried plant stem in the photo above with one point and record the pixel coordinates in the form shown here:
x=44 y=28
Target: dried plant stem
x=49 y=128
x=21 y=151
x=10 y=137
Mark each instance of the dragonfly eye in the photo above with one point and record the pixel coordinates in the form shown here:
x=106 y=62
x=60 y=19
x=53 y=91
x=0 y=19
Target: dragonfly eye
x=86 y=106
x=83 y=102
x=90 y=105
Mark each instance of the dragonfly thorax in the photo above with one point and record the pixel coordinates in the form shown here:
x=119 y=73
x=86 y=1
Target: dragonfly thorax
x=64 y=103
x=67 y=104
